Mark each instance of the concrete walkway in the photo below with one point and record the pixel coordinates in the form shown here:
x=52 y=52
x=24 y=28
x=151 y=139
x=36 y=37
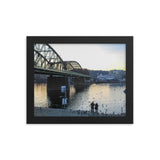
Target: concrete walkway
x=54 y=112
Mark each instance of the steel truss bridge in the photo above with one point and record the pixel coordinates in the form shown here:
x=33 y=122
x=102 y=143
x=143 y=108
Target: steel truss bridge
x=48 y=61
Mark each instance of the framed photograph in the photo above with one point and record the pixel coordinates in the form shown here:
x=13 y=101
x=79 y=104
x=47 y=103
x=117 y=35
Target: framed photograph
x=80 y=79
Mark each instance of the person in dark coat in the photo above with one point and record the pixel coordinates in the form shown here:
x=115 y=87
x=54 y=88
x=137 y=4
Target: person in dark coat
x=96 y=107
x=92 y=106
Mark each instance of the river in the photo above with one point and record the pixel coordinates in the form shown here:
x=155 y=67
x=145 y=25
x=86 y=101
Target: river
x=109 y=96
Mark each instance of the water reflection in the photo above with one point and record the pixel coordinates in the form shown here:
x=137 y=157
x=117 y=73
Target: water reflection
x=72 y=91
x=40 y=95
x=110 y=97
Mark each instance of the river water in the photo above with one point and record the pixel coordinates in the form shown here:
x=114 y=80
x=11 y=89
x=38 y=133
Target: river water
x=109 y=96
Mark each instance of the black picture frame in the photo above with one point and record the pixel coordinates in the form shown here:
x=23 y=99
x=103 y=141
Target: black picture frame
x=128 y=40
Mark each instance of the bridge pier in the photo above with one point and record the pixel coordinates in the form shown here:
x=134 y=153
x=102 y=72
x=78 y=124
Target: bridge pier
x=54 y=90
x=54 y=84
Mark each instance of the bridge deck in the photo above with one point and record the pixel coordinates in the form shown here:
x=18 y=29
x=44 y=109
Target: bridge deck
x=56 y=72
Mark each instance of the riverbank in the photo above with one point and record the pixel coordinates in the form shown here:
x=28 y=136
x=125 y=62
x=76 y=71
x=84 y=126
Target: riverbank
x=54 y=112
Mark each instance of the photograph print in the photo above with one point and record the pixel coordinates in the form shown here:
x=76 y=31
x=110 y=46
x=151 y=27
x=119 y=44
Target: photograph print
x=79 y=80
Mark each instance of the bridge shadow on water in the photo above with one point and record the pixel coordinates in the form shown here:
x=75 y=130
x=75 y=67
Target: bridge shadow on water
x=55 y=97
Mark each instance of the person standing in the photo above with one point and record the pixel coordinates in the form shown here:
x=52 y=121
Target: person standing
x=96 y=107
x=92 y=106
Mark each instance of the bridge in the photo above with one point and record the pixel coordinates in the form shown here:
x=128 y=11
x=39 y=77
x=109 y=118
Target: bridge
x=62 y=73
x=48 y=61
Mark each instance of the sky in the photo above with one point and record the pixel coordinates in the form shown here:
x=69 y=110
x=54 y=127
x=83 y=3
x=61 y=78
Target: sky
x=94 y=56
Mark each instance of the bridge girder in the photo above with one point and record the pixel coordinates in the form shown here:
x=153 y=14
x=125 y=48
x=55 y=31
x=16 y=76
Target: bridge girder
x=46 y=57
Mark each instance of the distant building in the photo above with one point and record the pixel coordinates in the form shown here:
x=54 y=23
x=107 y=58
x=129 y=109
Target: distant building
x=112 y=75
x=117 y=74
x=105 y=77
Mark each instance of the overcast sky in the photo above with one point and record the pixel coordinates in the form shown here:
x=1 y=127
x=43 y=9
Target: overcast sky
x=94 y=56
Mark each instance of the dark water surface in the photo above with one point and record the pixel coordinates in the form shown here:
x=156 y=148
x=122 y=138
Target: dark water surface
x=109 y=96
